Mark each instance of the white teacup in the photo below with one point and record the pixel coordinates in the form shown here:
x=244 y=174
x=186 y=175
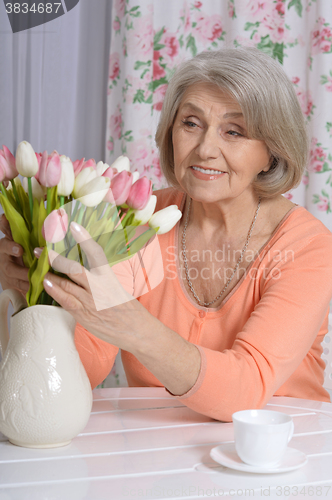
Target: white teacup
x=262 y=436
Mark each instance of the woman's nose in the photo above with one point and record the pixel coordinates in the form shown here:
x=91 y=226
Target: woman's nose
x=209 y=146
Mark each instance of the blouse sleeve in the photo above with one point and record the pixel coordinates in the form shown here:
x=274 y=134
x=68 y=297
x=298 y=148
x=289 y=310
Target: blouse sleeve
x=276 y=338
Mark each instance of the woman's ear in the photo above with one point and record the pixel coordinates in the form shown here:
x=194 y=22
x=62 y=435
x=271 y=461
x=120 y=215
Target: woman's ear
x=273 y=161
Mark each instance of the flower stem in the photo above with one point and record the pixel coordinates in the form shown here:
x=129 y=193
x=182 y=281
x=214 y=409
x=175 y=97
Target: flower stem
x=48 y=201
x=80 y=254
x=30 y=200
x=73 y=215
x=126 y=217
x=62 y=201
x=80 y=214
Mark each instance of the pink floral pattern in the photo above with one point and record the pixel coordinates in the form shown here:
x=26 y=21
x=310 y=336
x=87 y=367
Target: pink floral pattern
x=304 y=97
x=150 y=39
x=321 y=37
x=320 y=159
x=327 y=81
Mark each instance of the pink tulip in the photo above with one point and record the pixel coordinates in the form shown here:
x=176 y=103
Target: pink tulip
x=55 y=226
x=42 y=159
x=2 y=173
x=39 y=157
x=120 y=188
x=90 y=163
x=8 y=163
x=139 y=194
x=110 y=172
x=49 y=173
x=78 y=165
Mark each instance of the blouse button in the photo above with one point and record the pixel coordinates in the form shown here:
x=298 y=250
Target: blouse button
x=202 y=314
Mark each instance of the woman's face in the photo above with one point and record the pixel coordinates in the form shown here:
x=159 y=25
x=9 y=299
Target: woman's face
x=214 y=159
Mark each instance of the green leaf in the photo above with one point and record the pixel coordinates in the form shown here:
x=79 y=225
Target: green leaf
x=24 y=201
x=156 y=83
x=88 y=213
x=323 y=79
x=144 y=73
x=139 y=242
x=60 y=247
x=298 y=6
x=315 y=198
x=278 y=52
x=91 y=221
x=36 y=276
x=129 y=26
x=34 y=235
x=191 y=45
x=159 y=46
x=11 y=198
x=98 y=228
x=149 y=100
x=249 y=26
x=139 y=96
x=324 y=193
x=326 y=168
x=141 y=64
x=73 y=254
x=42 y=214
x=266 y=45
x=157 y=36
x=20 y=232
x=55 y=201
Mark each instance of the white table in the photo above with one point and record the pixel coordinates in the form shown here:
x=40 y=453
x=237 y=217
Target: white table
x=141 y=443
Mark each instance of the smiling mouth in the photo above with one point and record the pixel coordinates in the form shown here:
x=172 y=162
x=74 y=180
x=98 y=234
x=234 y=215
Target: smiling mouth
x=208 y=171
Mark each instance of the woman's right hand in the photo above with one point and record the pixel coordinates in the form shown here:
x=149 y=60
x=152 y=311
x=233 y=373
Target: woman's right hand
x=13 y=273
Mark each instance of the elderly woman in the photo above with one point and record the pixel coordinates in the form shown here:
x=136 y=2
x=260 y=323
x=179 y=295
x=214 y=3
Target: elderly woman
x=241 y=311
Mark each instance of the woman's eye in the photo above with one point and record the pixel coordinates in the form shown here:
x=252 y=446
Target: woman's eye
x=234 y=133
x=189 y=124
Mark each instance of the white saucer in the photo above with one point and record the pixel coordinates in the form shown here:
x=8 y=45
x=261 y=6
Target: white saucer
x=226 y=455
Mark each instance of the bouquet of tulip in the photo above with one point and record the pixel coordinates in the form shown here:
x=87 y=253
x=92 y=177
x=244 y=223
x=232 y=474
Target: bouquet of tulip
x=109 y=201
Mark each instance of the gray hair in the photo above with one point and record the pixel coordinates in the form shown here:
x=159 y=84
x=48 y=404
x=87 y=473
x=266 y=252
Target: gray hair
x=269 y=105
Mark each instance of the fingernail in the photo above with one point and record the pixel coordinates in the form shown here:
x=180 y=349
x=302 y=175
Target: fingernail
x=16 y=250
x=47 y=283
x=38 y=251
x=76 y=227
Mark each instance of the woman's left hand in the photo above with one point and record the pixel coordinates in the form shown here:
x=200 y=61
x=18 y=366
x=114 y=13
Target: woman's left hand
x=95 y=298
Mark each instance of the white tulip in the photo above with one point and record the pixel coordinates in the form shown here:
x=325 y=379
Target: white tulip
x=38 y=191
x=92 y=193
x=144 y=215
x=67 y=180
x=17 y=182
x=121 y=163
x=26 y=160
x=86 y=175
x=101 y=167
x=165 y=219
x=135 y=176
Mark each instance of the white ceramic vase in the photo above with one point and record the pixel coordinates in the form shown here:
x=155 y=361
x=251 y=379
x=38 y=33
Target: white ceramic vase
x=45 y=394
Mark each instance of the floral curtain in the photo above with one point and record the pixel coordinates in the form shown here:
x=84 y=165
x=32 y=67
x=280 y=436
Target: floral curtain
x=151 y=38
